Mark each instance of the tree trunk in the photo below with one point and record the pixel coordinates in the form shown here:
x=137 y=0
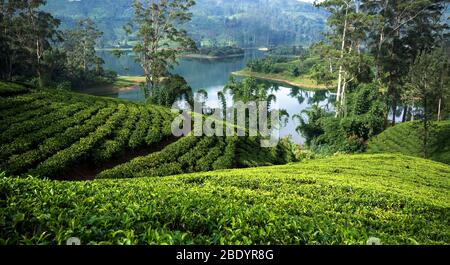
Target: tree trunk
x=10 y=72
x=84 y=57
x=386 y=115
x=439 y=109
x=40 y=78
x=394 y=112
x=405 y=113
x=147 y=86
x=378 y=56
x=343 y=98
x=380 y=45
x=425 y=127
x=38 y=66
x=408 y=114
x=338 y=96
x=339 y=89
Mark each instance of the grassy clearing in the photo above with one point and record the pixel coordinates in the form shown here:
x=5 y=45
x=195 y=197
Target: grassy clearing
x=284 y=78
x=339 y=200
x=122 y=83
x=126 y=81
x=406 y=138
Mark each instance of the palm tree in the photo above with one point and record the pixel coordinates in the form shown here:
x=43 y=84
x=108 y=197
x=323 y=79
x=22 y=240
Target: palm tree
x=223 y=102
x=298 y=94
x=248 y=90
x=284 y=117
x=201 y=96
x=310 y=128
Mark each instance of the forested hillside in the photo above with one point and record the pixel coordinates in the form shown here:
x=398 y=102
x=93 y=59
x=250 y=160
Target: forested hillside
x=245 y=23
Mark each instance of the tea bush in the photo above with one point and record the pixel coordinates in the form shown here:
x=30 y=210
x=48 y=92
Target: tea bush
x=407 y=138
x=138 y=135
x=116 y=144
x=338 y=200
x=81 y=149
x=29 y=141
x=193 y=154
x=48 y=132
x=10 y=89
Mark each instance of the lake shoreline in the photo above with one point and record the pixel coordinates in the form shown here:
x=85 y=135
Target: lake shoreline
x=210 y=57
x=187 y=55
x=126 y=83
x=261 y=76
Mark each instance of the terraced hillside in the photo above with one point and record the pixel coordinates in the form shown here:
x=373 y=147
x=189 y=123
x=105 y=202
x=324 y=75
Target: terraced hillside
x=406 y=138
x=338 y=200
x=69 y=136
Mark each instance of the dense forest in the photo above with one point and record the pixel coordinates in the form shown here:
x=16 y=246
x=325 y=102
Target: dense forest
x=382 y=64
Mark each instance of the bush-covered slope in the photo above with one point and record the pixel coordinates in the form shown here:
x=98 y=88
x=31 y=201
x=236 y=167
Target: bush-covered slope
x=339 y=200
x=196 y=154
x=11 y=89
x=65 y=135
x=49 y=132
x=407 y=138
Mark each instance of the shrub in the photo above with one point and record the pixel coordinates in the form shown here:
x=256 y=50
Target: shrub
x=406 y=138
x=81 y=149
x=27 y=142
x=18 y=164
x=154 y=134
x=141 y=164
x=138 y=136
x=350 y=133
x=11 y=89
x=228 y=159
x=18 y=129
x=110 y=148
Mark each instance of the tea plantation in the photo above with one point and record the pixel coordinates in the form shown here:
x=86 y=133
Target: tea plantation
x=338 y=200
x=124 y=148
x=48 y=132
x=63 y=135
x=407 y=138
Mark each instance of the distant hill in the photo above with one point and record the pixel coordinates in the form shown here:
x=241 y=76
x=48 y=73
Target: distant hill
x=248 y=23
